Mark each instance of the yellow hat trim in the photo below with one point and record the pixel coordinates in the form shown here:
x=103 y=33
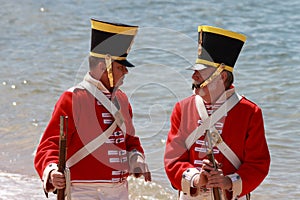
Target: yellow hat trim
x=124 y=30
x=98 y=55
x=224 y=32
x=205 y=62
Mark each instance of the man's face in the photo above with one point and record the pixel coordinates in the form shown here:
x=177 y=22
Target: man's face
x=200 y=76
x=119 y=72
x=213 y=89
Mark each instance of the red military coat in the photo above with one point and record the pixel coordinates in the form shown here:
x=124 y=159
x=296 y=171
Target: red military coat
x=243 y=132
x=87 y=119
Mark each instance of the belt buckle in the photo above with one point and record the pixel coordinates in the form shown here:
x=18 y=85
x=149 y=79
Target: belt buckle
x=217 y=139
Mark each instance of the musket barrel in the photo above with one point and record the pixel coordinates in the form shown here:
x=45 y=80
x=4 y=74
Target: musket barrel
x=62 y=152
x=210 y=155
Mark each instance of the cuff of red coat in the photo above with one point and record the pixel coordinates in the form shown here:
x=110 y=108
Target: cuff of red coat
x=237 y=184
x=137 y=160
x=48 y=187
x=187 y=185
x=135 y=153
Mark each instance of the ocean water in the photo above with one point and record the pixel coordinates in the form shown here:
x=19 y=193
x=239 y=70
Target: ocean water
x=44 y=48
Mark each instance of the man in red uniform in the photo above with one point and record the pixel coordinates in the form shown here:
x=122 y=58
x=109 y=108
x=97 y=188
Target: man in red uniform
x=216 y=119
x=102 y=148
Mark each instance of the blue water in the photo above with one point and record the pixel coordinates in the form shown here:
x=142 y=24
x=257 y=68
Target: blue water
x=44 y=46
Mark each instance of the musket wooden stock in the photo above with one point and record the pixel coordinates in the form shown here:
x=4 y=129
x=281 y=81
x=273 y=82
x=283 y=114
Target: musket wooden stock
x=62 y=152
x=216 y=191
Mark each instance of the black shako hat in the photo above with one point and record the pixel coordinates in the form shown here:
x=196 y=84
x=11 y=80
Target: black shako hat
x=218 y=46
x=113 y=40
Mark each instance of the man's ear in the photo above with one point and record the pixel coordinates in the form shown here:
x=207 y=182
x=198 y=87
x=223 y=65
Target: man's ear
x=98 y=70
x=224 y=75
x=102 y=66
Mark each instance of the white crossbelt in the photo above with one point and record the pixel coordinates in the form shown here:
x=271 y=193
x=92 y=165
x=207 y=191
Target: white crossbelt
x=91 y=146
x=98 y=141
x=208 y=123
x=106 y=103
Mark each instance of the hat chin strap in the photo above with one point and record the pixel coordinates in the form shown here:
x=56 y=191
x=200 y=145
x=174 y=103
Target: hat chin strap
x=211 y=78
x=108 y=63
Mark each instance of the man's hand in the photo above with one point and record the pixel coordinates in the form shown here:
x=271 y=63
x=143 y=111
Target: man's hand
x=57 y=179
x=215 y=177
x=200 y=180
x=139 y=168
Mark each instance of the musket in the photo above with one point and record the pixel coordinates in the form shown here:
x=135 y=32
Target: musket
x=63 y=124
x=210 y=155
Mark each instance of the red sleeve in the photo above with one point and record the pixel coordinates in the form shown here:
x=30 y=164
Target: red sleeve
x=132 y=141
x=256 y=162
x=48 y=148
x=176 y=158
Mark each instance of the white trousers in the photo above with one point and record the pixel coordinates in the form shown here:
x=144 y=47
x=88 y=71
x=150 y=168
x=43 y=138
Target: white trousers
x=99 y=191
x=203 y=196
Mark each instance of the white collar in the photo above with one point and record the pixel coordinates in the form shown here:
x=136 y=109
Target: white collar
x=228 y=93
x=224 y=96
x=96 y=83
